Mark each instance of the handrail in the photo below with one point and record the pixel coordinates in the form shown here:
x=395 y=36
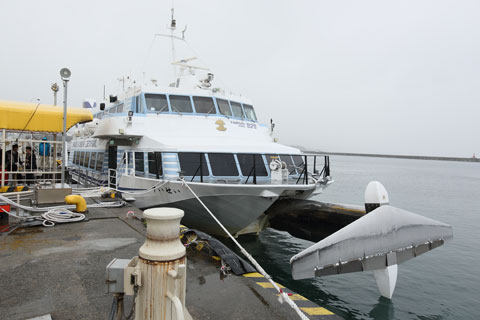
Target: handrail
x=200 y=167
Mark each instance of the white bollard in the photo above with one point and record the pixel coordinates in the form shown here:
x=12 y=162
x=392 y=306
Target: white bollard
x=162 y=264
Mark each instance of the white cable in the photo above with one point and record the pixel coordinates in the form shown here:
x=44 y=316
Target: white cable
x=61 y=216
x=44 y=209
x=53 y=216
x=283 y=294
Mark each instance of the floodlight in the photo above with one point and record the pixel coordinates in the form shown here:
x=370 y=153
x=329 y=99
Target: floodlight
x=65 y=73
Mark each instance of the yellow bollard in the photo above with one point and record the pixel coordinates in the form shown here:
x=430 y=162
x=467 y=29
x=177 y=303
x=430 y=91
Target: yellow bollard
x=77 y=200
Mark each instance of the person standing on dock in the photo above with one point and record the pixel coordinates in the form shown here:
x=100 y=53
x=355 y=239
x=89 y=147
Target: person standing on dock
x=44 y=151
x=30 y=164
x=13 y=161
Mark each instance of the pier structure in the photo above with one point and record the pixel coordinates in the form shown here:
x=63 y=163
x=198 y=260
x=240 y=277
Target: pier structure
x=60 y=272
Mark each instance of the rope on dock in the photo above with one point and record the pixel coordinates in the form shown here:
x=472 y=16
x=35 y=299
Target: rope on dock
x=52 y=216
x=283 y=294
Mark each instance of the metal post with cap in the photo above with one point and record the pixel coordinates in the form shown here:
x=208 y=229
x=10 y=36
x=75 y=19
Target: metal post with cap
x=55 y=89
x=65 y=74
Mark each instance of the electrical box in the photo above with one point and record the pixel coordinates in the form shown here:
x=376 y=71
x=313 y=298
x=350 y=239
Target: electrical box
x=132 y=276
x=51 y=195
x=115 y=275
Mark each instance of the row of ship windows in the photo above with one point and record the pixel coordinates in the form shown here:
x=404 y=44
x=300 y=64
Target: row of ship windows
x=217 y=164
x=157 y=103
x=92 y=160
x=196 y=164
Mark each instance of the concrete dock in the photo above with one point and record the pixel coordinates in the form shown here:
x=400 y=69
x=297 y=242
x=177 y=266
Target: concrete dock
x=60 y=271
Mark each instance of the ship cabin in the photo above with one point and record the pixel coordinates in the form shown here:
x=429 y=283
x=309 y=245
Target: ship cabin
x=144 y=103
x=162 y=157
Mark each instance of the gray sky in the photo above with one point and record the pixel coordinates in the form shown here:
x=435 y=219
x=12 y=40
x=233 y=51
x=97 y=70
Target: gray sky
x=353 y=76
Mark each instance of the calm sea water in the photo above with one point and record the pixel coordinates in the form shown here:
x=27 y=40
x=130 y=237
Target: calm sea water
x=441 y=284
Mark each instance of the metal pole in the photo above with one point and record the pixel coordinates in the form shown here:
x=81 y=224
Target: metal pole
x=4 y=145
x=201 y=167
x=65 y=74
x=254 y=171
x=54 y=88
x=306 y=170
x=64 y=137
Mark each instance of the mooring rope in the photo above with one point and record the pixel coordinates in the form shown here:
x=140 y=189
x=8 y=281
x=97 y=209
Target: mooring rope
x=259 y=268
x=51 y=217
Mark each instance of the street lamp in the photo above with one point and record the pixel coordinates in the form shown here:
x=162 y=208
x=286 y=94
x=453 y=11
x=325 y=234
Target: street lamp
x=65 y=74
x=55 y=89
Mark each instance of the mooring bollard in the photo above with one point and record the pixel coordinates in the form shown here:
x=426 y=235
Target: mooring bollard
x=162 y=265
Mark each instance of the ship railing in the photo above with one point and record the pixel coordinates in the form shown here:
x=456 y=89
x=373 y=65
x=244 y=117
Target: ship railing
x=304 y=175
x=113 y=178
x=199 y=169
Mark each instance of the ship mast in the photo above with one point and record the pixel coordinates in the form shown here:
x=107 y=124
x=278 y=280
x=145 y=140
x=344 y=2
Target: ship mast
x=173 y=26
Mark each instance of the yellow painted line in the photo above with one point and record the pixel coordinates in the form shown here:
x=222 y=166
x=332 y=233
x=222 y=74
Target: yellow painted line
x=253 y=275
x=296 y=296
x=318 y=311
x=268 y=285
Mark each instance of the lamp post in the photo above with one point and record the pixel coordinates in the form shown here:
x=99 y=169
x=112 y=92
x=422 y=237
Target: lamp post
x=65 y=74
x=55 y=89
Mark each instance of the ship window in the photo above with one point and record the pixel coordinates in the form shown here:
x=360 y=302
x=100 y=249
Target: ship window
x=288 y=160
x=155 y=163
x=181 y=104
x=237 y=109
x=92 y=161
x=138 y=104
x=77 y=157
x=139 y=162
x=82 y=155
x=223 y=164
x=250 y=113
x=224 y=107
x=298 y=160
x=246 y=164
x=87 y=158
x=99 y=165
x=204 y=105
x=190 y=164
x=120 y=108
x=156 y=102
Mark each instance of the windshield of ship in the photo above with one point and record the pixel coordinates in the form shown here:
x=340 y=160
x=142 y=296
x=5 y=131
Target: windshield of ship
x=298 y=160
x=237 y=109
x=156 y=102
x=288 y=160
x=181 y=104
x=204 y=105
x=190 y=164
x=249 y=112
x=224 y=107
x=246 y=164
x=223 y=164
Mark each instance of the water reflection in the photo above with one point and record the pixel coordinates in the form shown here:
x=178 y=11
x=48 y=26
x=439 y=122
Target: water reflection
x=383 y=309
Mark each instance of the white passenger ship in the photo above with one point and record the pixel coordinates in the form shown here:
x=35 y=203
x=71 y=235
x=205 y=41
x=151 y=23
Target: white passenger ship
x=194 y=131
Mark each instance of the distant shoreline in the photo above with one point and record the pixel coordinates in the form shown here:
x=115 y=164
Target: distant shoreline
x=402 y=156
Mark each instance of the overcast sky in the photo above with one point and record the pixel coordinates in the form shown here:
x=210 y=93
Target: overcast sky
x=397 y=77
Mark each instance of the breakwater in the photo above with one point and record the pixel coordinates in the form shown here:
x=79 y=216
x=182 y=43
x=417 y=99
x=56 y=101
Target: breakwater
x=402 y=156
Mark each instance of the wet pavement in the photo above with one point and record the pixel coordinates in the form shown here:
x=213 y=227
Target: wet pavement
x=61 y=271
